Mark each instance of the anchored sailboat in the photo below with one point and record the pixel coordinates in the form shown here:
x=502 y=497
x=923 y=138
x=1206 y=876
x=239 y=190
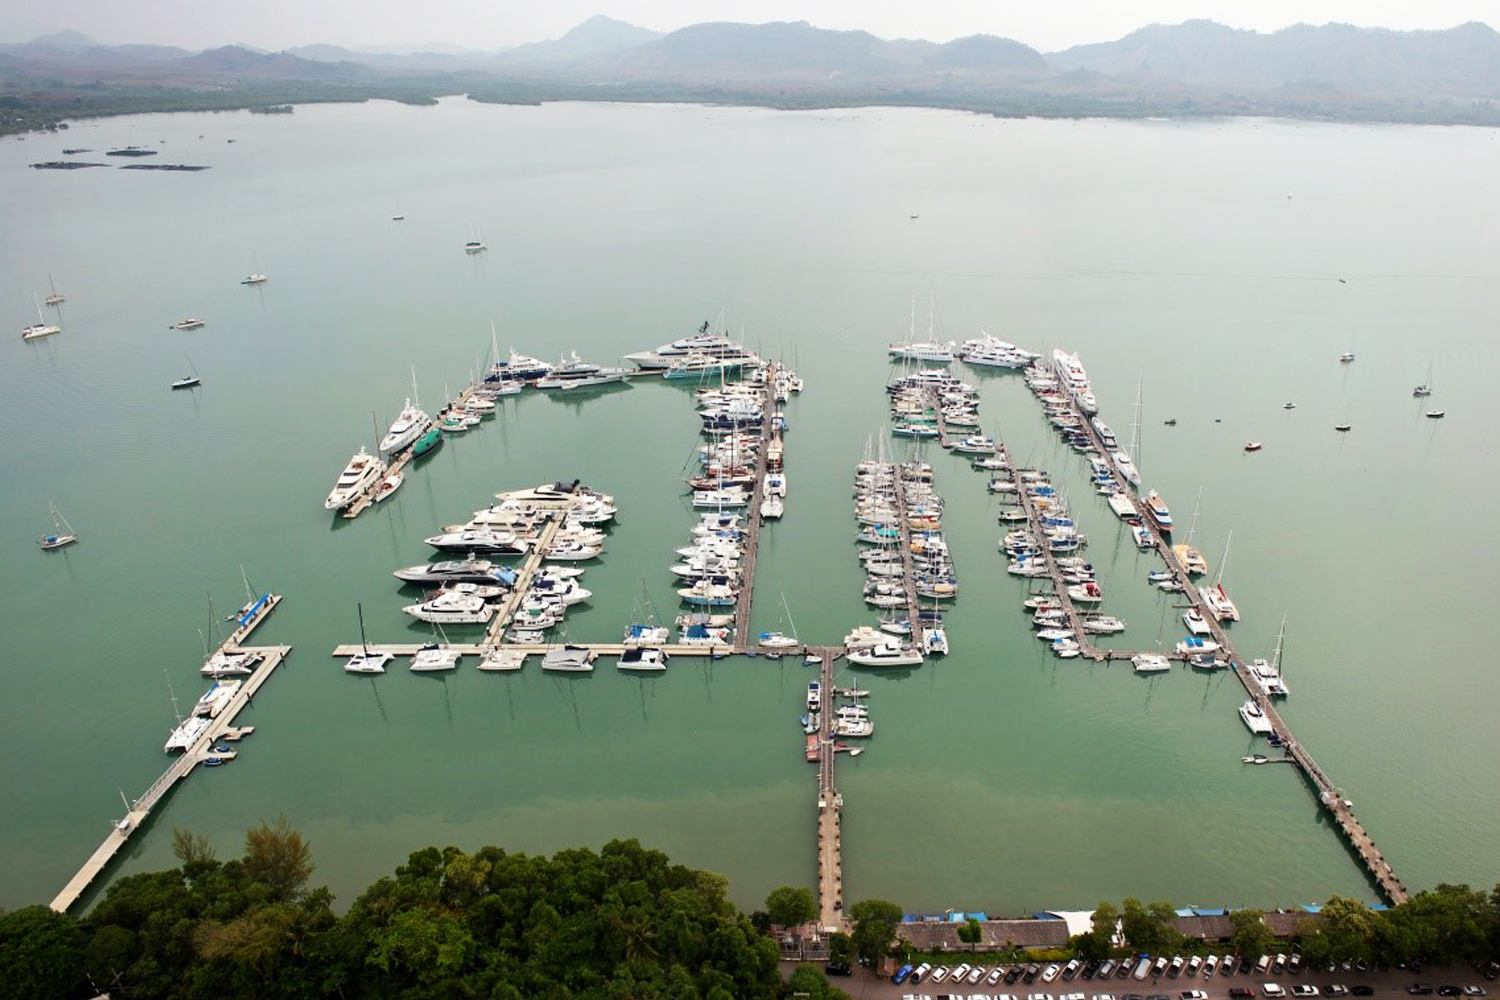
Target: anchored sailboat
x=62 y=532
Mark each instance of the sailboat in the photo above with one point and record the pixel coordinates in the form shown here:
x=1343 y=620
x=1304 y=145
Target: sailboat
x=1187 y=554
x=780 y=640
x=436 y=656
x=56 y=298
x=366 y=662
x=1125 y=460
x=1425 y=389
x=42 y=328
x=188 y=381
x=1268 y=675
x=59 y=537
x=1215 y=597
x=476 y=243
x=256 y=276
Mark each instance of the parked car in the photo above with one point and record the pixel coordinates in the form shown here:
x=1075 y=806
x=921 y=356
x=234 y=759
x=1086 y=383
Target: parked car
x=1304 y=990
x=920 y=972
x=1448 y=991
x=1473 y=991
x=940 y=974
x=1159 y=966
x=1051 y=972
x=902 y=974
x=1335 y=990
x=1278 y=964
x=976 y=973
x=996 y=974
x=1194 y=995
x=1294 y=965
x=1106 y=968
x=1362 y=990
x=1071 y=970
x=1241 y=992
x=1420 y=989
x=1210 y=966
x=1262 y=965
x=959 y=973
x=1175 y=969
x=1013 y=973
x=1227 y=964
x=1272 y=990
x=838 y=969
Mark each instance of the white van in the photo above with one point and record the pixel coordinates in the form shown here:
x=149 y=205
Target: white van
x=1263 y=965
x=1143 y=969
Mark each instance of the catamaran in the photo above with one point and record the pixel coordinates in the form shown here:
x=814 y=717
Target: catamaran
x=41 y=328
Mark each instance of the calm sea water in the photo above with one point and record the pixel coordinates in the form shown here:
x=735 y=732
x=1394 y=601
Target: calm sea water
x=1202 y=260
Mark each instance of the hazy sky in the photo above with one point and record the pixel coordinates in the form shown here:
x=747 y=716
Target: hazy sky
x=1044 y=24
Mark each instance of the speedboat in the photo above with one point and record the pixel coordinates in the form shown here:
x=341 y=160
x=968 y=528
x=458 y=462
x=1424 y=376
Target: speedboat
x=408 y=426
x=1255 y=719
x=1086 y=593
x=1252 y=446
x=516 y=370
x=1192 y=644
x=191 y=323
x=1127 y=467
x=976 y=444
x=432 y=658
x=480 y=540
x=457 y=571
x=358 y=476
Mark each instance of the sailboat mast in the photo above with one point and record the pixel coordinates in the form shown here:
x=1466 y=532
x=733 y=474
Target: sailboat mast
x=363 y=645
x=1224 y=559
x=1280 y=637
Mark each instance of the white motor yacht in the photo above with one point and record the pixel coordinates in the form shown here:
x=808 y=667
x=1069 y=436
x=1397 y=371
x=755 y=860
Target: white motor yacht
x=569 y=659
x=409 y=425
x=642 y=659
x=358 y=476
x=886 y=653
x=452 y=609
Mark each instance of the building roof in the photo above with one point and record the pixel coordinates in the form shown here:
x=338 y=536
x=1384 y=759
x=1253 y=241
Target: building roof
x=942 y=935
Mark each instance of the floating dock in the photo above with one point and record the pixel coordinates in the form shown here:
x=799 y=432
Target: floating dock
x=222 y=728
x=830 y=806
x=1329 y=795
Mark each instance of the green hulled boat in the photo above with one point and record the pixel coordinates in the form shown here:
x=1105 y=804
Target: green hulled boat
x=427 y=442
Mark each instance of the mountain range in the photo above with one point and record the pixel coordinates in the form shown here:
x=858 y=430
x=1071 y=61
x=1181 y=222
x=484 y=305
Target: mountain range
x=1197 y=67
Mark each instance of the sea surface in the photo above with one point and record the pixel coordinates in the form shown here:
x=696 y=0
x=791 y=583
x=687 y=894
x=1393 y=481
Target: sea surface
x=1220 y=266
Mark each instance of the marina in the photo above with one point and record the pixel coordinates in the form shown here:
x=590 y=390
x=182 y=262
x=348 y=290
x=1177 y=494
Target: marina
x=999 y=679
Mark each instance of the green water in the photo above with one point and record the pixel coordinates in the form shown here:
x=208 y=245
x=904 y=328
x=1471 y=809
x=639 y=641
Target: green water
x=999 y=778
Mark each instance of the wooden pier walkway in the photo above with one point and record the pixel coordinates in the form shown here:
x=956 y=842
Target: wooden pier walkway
x=1329 y=795
x=753 y=523
x=524 y=575
x=830 y=806
x=222 y=728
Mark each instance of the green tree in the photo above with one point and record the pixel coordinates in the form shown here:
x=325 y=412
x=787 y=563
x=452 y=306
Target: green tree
x=791 y=906
x=875 y=923
x=1095 y=944
x=840 y=947
x=277 y=858
x=971 y=932
x=192 y=849
x=810 y=981
x=1349 y=929
x=1251 y=937
x=41 y=954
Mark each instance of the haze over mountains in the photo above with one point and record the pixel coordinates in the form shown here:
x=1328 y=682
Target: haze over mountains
x=1197 y=67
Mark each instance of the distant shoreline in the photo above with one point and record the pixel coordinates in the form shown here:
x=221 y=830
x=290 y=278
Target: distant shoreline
x=53 y=116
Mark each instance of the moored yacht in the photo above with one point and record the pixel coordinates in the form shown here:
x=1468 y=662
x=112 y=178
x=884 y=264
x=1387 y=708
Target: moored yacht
x=1150 y=663
x=450 y=608
x=409 y=425
x=358 y=476
x=575 y=373
x=1255 y=719
x=188 y=732
x=1157 y=510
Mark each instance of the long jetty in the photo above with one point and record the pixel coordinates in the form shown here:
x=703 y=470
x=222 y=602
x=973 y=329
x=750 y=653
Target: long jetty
x=222 y=728
x=830 y=805
x=1329 y=795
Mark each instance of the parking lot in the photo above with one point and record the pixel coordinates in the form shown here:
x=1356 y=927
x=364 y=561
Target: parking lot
x=1048 y=982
